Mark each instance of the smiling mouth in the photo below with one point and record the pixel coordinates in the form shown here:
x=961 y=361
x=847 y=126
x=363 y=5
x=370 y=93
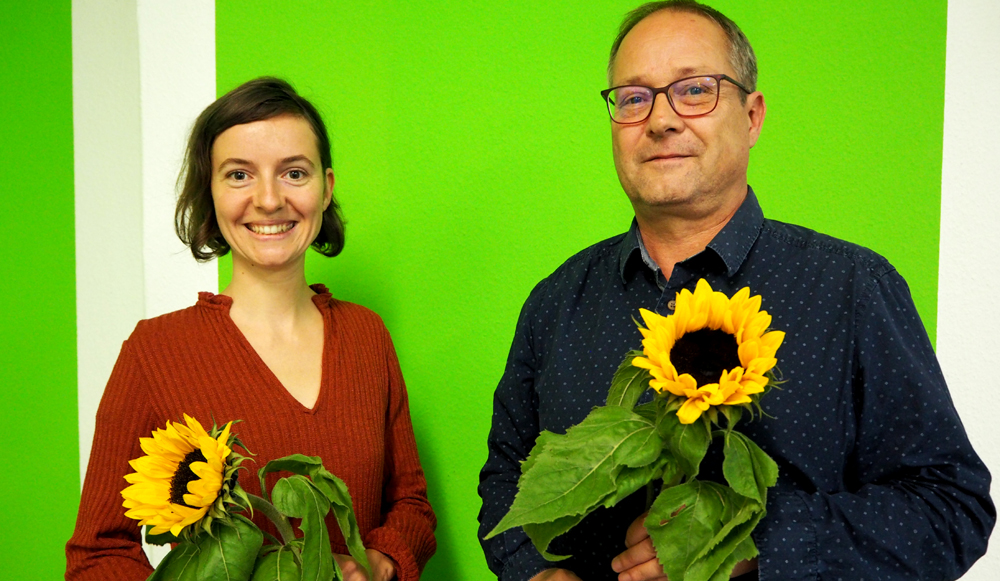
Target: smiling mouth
x=270 y=229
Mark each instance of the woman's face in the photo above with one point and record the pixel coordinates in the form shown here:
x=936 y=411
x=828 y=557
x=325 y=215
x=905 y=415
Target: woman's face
x=270 y=190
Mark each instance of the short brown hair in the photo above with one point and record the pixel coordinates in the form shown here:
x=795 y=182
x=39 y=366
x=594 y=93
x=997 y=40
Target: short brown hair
x=257 y=100
x=741 y=55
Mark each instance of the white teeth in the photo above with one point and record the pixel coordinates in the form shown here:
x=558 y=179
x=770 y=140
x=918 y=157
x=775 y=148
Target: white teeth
x=270 y=228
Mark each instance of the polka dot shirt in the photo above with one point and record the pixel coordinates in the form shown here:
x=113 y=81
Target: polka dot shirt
x=877 y=477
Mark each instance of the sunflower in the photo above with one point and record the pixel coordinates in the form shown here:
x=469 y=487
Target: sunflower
x=712 y=351
x=186 y=475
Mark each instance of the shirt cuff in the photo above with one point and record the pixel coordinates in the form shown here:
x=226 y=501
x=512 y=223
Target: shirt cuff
x=786 y=540
x=386 y=541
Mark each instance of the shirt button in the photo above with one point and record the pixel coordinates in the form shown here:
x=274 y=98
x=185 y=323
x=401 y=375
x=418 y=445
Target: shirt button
x=672 y=305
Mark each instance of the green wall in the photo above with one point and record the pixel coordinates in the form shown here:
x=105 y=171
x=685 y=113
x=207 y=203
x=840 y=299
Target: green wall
x=40 y=484
x=472 y=155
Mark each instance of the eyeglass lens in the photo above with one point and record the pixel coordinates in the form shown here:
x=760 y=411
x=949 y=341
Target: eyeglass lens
x=694 y=96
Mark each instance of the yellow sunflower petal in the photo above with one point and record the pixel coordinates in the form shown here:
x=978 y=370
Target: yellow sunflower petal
x=651 y=318
x=737 y=398
x=771 y=341
x=747 y=352
x=690 y=411
x=756 y=325
x=717 y=310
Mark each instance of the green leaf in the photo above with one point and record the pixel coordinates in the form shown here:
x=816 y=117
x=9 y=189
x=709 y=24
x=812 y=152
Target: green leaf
x=160 y=539
x=733 y=534
x=335 y=491
x=278 y=565
x=541 y=534
x=297 y=497
x=747 y=468
x=737 y=467
x=629 y=383
x=743 y=552
x=688 y=443
x=228 y=554
x=574 y=473
x=231 y=553
x=649 y=410
x=180 y=564
x=682 y=522
x=630 y=480
x=296 y=464
x=764 y=467
x=542 y=443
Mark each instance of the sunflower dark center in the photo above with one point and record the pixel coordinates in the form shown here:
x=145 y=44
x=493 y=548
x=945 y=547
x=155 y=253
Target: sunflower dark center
x=183 y=475
x=705 y=354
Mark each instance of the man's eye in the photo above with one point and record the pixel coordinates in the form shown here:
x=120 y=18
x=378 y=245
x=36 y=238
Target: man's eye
x=696 y=89
x=632 y=99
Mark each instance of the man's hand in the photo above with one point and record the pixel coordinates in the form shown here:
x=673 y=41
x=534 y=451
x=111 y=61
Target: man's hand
x=383 y=567
x=639 y=562
x=555 y=575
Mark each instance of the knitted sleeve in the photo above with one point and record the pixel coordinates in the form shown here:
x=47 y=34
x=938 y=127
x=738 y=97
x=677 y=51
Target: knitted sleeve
x=105 y=545
x=407 y=531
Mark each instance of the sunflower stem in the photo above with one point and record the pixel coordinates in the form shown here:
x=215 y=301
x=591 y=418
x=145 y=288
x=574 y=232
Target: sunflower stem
x=280 y=521
x=650 y=495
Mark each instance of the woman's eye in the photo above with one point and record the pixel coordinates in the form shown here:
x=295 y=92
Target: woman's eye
x=296 y=174
x=238 y=175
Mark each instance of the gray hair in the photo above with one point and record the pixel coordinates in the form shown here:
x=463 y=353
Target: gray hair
x=741 y=55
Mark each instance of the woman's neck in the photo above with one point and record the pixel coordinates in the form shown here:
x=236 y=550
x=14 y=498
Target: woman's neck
x=269 y=297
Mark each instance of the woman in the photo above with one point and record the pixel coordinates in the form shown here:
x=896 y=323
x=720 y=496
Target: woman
x=305 y=372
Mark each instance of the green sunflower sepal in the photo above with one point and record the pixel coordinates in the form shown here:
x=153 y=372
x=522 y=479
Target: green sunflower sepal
x=700 y=529
x=185 y=492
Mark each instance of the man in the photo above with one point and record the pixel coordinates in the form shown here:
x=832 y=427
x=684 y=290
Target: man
x=877 y=477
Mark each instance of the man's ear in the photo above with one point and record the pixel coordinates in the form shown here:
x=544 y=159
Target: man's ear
x=756 y=109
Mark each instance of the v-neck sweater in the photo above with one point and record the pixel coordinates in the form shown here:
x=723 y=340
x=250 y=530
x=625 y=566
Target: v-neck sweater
x=196 y=361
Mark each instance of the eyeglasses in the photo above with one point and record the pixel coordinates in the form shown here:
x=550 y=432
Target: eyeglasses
x=688 y=97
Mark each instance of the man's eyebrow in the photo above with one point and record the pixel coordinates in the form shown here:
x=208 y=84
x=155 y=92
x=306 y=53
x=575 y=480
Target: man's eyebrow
x=680 y=74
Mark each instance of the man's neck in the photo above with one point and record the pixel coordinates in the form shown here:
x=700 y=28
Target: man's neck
x=672 y=237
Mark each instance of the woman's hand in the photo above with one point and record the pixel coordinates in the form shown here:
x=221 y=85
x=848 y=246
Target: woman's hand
x=383 y=567
x=555 y=575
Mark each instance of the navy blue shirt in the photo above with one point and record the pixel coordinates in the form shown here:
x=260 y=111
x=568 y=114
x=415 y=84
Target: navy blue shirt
x=877 y=479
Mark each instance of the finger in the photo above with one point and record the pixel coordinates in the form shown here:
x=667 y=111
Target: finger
x=636 y=555
x=636 y=531
x=350 y=568
x=648 y=571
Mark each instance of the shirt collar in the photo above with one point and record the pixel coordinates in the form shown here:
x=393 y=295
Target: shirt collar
x=732 y=244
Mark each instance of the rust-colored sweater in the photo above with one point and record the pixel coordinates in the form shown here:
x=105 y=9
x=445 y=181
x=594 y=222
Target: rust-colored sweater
x=196 y=361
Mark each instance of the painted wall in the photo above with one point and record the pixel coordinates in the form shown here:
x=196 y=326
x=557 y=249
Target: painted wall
x=472 y=157
x=40 y=483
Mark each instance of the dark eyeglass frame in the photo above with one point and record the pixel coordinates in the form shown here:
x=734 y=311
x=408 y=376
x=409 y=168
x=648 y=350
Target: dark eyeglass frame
x=606 y=93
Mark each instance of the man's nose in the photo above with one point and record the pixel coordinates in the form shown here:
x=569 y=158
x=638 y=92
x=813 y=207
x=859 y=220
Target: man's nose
x=663 y=118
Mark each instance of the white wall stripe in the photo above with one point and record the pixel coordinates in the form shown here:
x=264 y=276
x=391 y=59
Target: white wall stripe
x=142 y=71
x=177 y=81
x=107 y=155
x=968 y=328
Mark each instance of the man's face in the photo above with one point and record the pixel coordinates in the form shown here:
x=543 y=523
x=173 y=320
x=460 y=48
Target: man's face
x=686 y=164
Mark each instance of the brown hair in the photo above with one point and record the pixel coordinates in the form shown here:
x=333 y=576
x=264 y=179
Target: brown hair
x=741 y=55
x=256 y=100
